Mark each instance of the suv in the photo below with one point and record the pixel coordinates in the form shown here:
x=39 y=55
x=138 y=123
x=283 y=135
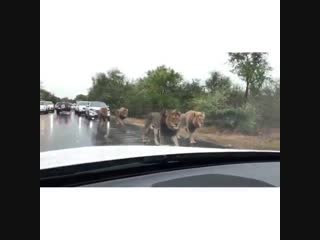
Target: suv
x=63 y=107
x=93 y=108
x=50 y=106
x=43 y=107
x=81 y=107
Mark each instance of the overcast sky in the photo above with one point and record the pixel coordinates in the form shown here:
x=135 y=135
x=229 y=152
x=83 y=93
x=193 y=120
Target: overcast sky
x=79 y=38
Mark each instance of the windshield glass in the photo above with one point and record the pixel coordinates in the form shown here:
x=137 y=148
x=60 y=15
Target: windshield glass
x=97 y=104
x=176 y=82
x=83 y=103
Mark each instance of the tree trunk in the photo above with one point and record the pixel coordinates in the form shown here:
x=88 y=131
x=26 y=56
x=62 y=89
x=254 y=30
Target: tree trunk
x=247 y=92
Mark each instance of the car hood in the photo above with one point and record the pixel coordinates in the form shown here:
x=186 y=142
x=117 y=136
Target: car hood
x=95 y=108
x=74 y=156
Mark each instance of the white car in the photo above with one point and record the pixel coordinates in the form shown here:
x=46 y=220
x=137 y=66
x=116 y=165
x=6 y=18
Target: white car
x=81 y=107
x=159 y=166
x=93 y=108
x=50 y=106
x=43 y=107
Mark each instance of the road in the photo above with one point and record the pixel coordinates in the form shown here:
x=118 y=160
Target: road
x=61 y=132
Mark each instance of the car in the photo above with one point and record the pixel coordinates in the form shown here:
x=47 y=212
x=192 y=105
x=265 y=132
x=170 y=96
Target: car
x=81 y=107
x=56 y=105
x=159 y=166
x=63 y=108
x=43 y=107
x=73 y=106
x=50 y=106
x=93 y=108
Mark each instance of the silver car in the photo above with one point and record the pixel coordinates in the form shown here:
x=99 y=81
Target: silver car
x=50 y=106
x=81 y=107
x=43 y=107
x=93 y=108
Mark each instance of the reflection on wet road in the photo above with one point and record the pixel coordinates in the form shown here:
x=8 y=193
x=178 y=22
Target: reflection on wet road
x=61 y=132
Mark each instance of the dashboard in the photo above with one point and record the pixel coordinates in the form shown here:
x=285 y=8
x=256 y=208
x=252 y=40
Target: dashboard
x=261 y=174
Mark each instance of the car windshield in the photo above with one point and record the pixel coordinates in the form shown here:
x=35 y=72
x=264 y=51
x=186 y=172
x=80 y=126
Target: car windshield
x=42 y=103
x=82 y=103
x=97 y=104
x=168 y=79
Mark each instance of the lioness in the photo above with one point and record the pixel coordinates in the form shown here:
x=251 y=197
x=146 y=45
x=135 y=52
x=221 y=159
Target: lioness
x=121 y=114
x=190 y=121
x=164 y=125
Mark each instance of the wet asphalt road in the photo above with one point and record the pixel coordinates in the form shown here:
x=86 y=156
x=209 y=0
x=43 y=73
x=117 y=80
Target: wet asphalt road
x=61 y=132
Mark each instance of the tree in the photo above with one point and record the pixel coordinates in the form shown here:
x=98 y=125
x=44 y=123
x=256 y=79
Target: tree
x=160 y=88
x=48 y=96
x=66 y=99
x=218 y=82
x=109 y=88
x=81 y=97
x=268 y=103
x=188 y=92
x=253 y=68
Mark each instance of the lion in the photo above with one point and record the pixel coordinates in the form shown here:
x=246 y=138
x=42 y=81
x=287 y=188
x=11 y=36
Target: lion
x=165 y=126
x=121 y=114
x=103 y=119
x=191 y=121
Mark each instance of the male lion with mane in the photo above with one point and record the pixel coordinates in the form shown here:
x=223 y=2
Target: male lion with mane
x=165 y=126
x=191 y=121
x=121 y=114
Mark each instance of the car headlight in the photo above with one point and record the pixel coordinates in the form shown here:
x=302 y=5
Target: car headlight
x=92 y=113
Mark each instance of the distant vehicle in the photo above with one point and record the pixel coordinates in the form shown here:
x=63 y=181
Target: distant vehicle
x=73 y=106
x=81 y=107
x=56 y=105
x=63 y=108
x=93 y=109
x=43 y=107
x=50 y=106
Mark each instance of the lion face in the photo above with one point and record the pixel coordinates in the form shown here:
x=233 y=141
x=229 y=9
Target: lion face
x=198 y=119
x=124 y=112
x=172 y=119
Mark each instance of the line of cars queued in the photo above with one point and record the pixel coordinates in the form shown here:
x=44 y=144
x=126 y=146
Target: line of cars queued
x=90 y=109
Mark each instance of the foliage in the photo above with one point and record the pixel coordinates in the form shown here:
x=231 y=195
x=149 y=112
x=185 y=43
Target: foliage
x=253 y=68
x=225 y=104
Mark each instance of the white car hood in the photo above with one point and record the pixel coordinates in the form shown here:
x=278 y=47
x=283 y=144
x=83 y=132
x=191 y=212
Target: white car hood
x=95 y=108
x=73 y=156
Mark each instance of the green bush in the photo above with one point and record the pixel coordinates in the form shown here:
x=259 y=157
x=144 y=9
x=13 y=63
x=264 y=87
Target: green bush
x=248 y=123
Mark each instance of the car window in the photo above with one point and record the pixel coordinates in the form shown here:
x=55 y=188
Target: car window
x=83 y=103
x=98 y=104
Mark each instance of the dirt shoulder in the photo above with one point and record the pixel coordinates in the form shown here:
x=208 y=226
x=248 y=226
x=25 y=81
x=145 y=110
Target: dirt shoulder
x=268 y=140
